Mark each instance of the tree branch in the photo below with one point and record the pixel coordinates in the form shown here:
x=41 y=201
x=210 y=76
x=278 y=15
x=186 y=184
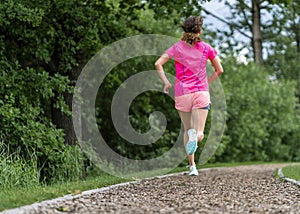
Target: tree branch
x=233 y=26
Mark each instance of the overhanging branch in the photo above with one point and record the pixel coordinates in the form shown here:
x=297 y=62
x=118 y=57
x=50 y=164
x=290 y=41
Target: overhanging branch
x=226 y=22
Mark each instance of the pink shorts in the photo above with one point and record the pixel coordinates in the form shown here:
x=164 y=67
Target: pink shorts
x=188 y=102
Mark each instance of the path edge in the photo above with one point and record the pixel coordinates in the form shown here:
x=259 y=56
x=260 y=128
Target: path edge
x=281 y=175
x=26 y=208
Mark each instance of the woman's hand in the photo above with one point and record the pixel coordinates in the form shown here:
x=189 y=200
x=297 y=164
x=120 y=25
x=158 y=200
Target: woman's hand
x=167 y=87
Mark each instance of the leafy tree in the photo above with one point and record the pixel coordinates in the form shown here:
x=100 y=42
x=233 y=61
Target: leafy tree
x=246 y=19
x=261 y=115
x=279 y=35
x=285 y=47
x=44 y=46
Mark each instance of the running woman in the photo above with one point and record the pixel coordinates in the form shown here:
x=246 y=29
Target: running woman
x=192 y=98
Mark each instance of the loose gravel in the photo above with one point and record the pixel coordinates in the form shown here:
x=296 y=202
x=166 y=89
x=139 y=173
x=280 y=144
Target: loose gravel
x=244 y=189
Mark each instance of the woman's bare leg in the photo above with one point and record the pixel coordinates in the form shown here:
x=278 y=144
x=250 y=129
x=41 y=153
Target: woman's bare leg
x=199 y=119
x=186 y=118
x=195 y=119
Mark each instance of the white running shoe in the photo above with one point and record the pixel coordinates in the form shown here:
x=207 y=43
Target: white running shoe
x=191 y=145
x=193 y=171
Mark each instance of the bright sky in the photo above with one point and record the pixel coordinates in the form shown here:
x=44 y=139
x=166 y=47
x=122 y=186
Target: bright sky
x=219 y=9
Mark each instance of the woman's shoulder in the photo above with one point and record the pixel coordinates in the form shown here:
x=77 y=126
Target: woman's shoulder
x=202 y=43
x=181 y=42
x=176 y=44
x=181 y=45
x=205 y=45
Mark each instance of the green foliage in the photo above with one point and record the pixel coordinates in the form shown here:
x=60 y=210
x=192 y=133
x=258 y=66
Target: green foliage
x=165 y=8
x=139 y=112
x=283 y=61
x=17 y=173
x=44 y=45
x=285 y=2
x=26 y=132
x=16 y=197
x=67 y=165
x=261 y=115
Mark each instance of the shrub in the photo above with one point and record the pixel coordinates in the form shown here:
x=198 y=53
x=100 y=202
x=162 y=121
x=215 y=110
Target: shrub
x=261 y=115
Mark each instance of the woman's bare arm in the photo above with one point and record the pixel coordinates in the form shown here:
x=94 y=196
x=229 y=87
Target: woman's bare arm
x=160 y=70
x=218 y=69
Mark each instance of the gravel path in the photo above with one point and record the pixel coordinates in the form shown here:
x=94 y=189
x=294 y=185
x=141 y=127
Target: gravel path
x=245 y=189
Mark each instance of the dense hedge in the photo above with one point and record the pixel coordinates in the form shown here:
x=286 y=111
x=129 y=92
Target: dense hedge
x=262 y=121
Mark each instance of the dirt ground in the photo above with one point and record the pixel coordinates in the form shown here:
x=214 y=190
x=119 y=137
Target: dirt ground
x=244 y=189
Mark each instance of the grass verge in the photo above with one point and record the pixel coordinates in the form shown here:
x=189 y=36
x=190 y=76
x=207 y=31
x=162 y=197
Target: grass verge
x=292 y=171
x=16 y=198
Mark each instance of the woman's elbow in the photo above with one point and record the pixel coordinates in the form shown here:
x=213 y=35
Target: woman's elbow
x=157 y=65
x=220 y=70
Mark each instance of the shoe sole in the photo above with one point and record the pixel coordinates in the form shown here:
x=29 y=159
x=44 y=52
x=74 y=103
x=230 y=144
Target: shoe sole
x=194 y=173
x=191 y=147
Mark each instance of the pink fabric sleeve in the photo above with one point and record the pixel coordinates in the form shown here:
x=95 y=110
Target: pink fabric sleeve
x=171 y=51
x=212 y=53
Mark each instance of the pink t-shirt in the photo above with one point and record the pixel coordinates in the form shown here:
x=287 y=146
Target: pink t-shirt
x=190 y=65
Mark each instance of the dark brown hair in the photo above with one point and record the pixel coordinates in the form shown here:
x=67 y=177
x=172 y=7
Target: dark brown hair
x=192 y=26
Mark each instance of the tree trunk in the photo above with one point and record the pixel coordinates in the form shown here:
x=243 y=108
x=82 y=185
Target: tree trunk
x=256 y=32
x=63 y=121
x=60 y=119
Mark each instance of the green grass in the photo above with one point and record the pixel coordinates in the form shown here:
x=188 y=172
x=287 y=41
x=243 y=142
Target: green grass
x=292 y=171
x=15 y=198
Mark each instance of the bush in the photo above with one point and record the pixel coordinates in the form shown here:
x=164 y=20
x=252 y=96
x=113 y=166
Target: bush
x=67 y=165
x=27 y=133
x=261 y=115
x=17 y=173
